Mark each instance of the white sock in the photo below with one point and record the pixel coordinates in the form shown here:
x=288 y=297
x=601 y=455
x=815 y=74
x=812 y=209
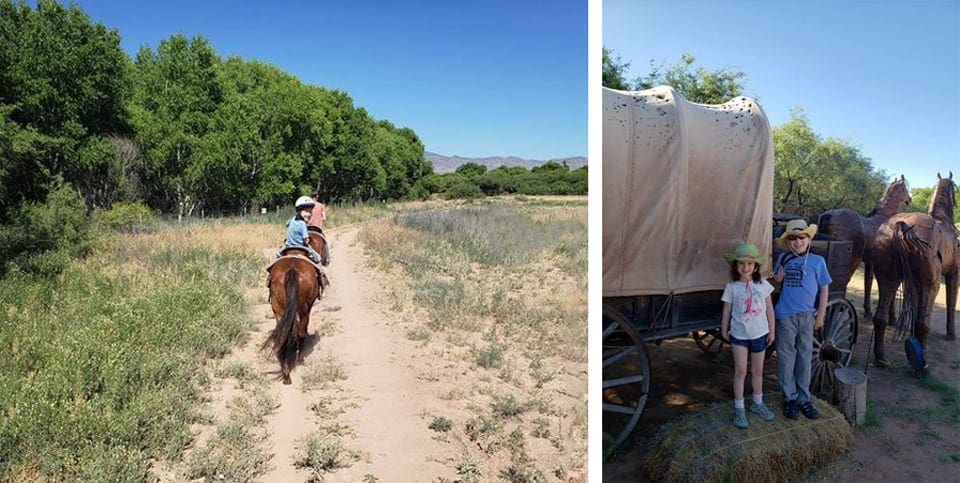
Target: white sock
x=758 y=398
x=738 y=403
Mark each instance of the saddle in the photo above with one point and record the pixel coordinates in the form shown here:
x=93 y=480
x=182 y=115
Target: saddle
x=298 y=253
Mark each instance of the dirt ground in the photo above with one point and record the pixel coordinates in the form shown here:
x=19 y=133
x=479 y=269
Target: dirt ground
x=904 y=444
x=376 y=390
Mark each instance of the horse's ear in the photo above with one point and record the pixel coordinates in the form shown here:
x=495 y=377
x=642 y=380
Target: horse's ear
x=903 y=179
x=951 y=174
x=938 y=175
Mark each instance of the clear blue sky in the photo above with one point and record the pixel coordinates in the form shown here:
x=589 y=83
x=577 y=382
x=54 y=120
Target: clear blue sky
x=472 y=78
x=882 y=75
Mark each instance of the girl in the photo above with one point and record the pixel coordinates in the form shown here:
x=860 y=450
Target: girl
x=748 y=323
x=297 y=227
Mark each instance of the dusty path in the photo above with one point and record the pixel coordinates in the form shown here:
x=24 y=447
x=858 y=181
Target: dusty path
x=383 y=402
x=395 y=439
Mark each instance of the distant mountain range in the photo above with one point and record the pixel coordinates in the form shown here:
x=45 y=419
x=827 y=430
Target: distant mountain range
x=449 y=164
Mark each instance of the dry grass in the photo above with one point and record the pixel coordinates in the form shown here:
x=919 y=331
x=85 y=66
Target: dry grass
x=705 y=446
x=500 y=288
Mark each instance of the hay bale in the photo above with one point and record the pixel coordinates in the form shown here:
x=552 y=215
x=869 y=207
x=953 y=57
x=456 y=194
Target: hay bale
x=705 y=446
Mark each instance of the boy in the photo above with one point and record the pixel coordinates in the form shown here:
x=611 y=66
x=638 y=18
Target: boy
x=804 y=277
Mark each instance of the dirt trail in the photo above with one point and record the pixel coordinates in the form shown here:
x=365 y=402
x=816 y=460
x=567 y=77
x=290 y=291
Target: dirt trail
x=389 y=429
x=384 y=401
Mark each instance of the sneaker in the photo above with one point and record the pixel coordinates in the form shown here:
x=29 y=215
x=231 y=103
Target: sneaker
x=809 y=411
x=762 y=410
x=790 y=410
x=740 y=418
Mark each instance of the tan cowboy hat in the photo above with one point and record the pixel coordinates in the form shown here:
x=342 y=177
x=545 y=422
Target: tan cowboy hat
x=745 y=252
x=795 y=228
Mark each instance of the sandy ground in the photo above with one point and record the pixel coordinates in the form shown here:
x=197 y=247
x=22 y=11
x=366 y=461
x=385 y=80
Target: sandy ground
x=907 y=445
x=396 y=442
x=378 y=406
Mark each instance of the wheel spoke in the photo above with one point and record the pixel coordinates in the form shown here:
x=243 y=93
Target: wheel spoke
x=618 y=408
x=610 y=328
x=620 y=355
x=623 y=381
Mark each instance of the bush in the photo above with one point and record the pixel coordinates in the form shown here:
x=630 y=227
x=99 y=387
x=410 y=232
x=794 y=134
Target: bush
x=39 y=230
x=126 y=218
x=464 y=190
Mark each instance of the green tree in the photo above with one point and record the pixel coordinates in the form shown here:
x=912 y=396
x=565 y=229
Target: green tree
x=919 y=200
x=813 y=175
x=696 y=84
x=471 y=170
x=62 y=91
x=176 y=91
x=614 y=70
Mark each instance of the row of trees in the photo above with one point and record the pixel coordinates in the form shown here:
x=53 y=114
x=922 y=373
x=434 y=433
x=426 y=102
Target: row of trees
x=473 y=180
x=84 y=127
x=178 y=127
x=812 y=174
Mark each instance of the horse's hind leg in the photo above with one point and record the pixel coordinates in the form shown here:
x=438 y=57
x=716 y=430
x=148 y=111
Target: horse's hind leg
x=881 y=318
x=302 y=335
x=867 y=285
x=952 y=286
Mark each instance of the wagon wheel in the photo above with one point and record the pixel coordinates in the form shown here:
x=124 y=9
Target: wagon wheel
x=711 y=342
x=626 y=378
x=833 y=345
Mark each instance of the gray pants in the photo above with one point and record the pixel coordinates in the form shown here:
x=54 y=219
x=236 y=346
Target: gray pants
x=795 y=355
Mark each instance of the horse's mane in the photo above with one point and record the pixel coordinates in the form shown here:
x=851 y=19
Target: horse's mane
x=885 y=199
x=942 y=201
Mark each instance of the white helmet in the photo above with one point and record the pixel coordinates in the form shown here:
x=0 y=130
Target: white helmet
x=304 y=201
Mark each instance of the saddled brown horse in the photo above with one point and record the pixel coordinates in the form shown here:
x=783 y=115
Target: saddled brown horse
x=916 y=249
x=846 y=224
x=295 y=284
x=318 y=241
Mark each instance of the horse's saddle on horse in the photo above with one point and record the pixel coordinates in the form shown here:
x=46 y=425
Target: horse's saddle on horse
x=298 y=253
x=295 y=253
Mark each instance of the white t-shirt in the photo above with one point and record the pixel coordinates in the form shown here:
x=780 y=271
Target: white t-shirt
x=748 y=315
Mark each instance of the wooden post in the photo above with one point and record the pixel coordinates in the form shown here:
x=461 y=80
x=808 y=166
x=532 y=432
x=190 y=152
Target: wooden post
x=851 y=392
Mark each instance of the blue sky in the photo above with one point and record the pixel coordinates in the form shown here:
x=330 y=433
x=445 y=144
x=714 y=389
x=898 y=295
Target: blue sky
x=882 y=75
x=472 y=78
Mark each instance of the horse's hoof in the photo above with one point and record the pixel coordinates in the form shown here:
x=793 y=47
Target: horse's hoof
x=882 y=363
x=286 y=381
x=950 y=337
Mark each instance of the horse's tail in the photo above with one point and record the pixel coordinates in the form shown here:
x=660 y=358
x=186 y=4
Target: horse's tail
x=907 y=243
x=283 y=336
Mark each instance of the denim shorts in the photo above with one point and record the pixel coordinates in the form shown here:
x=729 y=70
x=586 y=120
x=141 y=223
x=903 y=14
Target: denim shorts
x=756 y=345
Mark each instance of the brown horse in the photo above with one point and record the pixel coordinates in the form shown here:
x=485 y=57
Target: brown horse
x=916 y=249
x=295 y=284
x=846 y=224
x=318 y=241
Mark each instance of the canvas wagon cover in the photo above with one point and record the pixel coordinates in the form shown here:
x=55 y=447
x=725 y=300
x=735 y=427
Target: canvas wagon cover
x=683 y=183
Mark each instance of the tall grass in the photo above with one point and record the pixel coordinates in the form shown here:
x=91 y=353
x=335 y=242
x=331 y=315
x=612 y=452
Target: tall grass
x=522 y=267
x=495 y=234
x=100 y=365
x=503 y=285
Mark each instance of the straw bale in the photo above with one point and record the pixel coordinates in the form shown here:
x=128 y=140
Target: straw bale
x=705 y=446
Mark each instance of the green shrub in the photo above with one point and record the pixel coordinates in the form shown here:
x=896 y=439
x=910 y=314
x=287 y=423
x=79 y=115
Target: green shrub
x=38 y=231
x=126 y=218
x=96 y=380
x=464 y=190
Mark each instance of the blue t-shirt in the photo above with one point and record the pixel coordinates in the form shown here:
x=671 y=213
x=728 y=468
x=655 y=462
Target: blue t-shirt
x=296 y=233
x=804 y=277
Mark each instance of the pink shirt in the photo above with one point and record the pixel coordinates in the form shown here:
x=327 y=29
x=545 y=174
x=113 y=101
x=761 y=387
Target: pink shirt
x=318 y=215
